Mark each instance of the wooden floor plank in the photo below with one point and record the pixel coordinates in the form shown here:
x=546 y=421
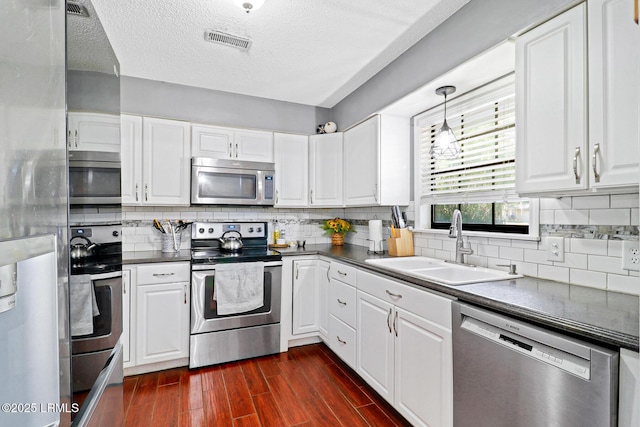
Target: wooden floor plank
x=193 y=418
x=139 y=415
x=320 y=414
x=287 y=400
x=165 y=412
x=375 y=416
x=170 y=376
x=268 y=411
x=348 y=387
x=238 y=392
x=145 y=391
x=215 y=400
x=248 y=421
x=269 y=366
x=253 y=375
x=190 y=392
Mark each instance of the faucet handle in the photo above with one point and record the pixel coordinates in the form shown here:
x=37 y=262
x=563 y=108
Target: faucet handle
x=512 y=267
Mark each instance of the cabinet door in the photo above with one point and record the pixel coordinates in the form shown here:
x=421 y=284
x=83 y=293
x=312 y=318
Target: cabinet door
x=253 y=145
x=305 y=296
x=375 y=338
x=614 y=75
x=125 y=338
x=326 y=170
x=211 y=141
x=162 y=331
x=131 y=160
x=323 y=297
x=423 y=370
x=291 y=154
x=94 y=132
x=362 y=163
x=166 y=153
x=551 y=106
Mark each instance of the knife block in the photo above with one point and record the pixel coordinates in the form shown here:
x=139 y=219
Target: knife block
x=401 y=242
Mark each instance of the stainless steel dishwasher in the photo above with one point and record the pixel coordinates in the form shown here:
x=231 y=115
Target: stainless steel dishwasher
x=507 y=372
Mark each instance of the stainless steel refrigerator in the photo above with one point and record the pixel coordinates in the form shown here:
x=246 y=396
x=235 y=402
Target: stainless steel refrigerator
x=34 y=339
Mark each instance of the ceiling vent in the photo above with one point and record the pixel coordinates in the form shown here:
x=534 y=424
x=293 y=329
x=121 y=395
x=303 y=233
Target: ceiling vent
x=227 y=39
x=77 y=9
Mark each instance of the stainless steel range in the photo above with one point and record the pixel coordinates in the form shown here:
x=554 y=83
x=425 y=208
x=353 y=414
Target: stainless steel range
x=235 y=293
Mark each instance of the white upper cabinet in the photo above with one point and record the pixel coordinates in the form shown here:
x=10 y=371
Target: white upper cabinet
x=156 y=162
x=131 y=160
x=325 y=170
x=291 y=153
x=563 y=147
x=376 y=162
x=551 y=105
x=229 y=143
x=614 y=76
x=93 y=132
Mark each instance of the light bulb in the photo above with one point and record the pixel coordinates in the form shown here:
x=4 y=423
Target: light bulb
x=446 y=146
x=249 y=5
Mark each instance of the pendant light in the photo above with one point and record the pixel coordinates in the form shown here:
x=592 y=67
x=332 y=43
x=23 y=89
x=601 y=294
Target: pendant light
x=249 y=5
x=446 y=146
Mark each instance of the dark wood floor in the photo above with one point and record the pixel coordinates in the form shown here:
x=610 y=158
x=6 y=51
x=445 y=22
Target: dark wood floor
x=307 y=386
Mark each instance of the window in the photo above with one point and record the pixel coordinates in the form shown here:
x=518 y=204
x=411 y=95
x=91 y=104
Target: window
x=481 y=180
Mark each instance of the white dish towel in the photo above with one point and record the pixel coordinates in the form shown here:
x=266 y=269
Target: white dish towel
x=83 y=305
x=239 y=287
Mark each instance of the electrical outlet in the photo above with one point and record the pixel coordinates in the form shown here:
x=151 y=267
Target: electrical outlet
x=630 y=255
x=555 y=249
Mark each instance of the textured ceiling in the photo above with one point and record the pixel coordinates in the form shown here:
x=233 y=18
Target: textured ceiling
x=305 y=51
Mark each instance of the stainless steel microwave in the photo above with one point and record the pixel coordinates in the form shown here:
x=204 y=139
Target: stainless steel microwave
x=231 y=182
x=94 y=178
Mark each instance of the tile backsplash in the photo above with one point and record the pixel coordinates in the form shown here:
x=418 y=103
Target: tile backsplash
x=593 y=228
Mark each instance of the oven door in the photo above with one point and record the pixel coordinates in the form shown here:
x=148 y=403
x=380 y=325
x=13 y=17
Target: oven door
x=204 y=317
x=107 y=326
x=94 y=178
x=231 y=182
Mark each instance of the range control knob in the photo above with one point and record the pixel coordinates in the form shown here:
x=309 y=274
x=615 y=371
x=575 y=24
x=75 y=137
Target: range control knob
x=200 y=230
x=259 y=230
x=115 y=233
x=250 y=229
x=210 y=230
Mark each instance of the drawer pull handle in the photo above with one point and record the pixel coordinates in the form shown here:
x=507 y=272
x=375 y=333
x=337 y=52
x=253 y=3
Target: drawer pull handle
x=341 y=302
x=341 y=273
x=575 y=165
x=163 y=274
x=596 y=150
x=389 y=320
x=391 y=294
x=395 y=324
x=339 y=340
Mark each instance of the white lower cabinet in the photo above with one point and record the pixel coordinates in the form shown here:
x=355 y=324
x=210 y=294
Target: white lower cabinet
x=125 y=338
x=323 y=298
x=156 y=320
x=306 y=291
x=404 y=349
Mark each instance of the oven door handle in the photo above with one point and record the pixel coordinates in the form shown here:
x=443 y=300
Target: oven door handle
x=212 y=267
x=109 y=275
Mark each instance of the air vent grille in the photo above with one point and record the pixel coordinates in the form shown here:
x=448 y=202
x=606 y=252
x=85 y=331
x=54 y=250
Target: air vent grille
x=77 y=9
x=227 y=39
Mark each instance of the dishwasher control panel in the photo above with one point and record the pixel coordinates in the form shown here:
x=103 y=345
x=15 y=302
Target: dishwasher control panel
x=553 y=356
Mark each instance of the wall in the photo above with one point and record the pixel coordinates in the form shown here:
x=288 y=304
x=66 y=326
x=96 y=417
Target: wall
x=476 y=27
x=173 y=101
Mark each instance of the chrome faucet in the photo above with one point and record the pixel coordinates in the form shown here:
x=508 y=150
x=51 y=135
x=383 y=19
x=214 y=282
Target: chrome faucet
x=455 y=232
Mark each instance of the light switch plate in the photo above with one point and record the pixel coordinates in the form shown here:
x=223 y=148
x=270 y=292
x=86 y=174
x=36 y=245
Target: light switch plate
x=630 y=255
x=555 y=249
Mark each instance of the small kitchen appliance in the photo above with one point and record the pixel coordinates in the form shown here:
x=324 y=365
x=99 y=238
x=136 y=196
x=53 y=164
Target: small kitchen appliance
x=218 y=335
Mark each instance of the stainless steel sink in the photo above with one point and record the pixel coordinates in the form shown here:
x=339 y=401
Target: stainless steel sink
x=440 y=271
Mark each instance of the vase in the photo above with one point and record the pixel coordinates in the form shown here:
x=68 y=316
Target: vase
x=337 y=239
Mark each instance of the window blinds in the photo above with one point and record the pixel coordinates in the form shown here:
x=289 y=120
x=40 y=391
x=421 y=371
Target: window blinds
x=483 y=121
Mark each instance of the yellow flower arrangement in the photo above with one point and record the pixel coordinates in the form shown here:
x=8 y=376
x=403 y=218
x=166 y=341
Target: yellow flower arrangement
x=337 y=225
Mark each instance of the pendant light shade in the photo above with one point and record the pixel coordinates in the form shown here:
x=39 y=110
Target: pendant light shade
x=249 y=5
x=445 y=146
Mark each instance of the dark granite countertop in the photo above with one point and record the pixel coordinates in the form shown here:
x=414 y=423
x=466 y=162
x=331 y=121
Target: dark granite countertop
x=605 y=317
x=145 y=257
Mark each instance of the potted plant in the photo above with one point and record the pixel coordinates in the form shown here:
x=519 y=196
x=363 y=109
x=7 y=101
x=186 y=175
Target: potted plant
x=337 y=227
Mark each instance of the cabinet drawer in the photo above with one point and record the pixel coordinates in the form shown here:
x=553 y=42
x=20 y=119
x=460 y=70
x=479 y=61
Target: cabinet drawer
x=163 y=273
x=342 y=302
x=424 y=303
x=342 y=340
x=342 y=272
